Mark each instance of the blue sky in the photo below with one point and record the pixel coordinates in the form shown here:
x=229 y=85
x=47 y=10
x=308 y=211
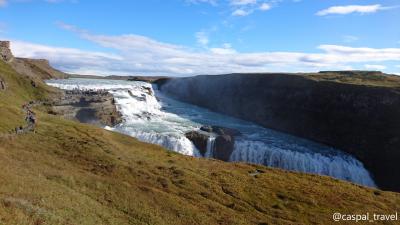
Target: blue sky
x=189 y=37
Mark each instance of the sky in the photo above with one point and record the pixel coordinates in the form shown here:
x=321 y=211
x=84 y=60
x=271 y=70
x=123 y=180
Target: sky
x=192 y=37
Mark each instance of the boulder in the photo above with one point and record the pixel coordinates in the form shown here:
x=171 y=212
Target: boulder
x=199 y=140
x=224 y=142
x=224 y=145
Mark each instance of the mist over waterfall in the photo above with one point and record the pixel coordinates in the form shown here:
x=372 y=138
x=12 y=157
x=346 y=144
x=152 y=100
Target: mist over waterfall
x=153 y=117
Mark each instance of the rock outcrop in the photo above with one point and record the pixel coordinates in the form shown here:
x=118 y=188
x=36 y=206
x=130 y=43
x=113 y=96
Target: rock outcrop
x=5 y=51
x=224 y=145
x=357 y=113
x=2 y=85
x=199 y=139
x=91 y=107
x=224 y=140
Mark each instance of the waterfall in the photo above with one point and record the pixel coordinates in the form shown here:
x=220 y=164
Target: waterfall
x=210 y=147
x=339 y=166
x=171 y=142
x=157 y=119
x=145 y=121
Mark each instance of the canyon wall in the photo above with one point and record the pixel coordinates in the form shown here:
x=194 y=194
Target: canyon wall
x=361 y=120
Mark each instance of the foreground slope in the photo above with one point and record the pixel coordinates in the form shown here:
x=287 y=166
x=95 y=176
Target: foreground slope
x=71 y=173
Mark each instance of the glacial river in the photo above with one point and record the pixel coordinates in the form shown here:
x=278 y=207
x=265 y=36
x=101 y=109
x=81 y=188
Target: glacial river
x=155 y=118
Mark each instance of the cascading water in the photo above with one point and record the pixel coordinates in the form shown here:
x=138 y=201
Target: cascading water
x=343 y=167
x=210 y=147
x=152 y=117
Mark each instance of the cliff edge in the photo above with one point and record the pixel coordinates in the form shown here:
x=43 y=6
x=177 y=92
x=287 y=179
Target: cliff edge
x=33 y=68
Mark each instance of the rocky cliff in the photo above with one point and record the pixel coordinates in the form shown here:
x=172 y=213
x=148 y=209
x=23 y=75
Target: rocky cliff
x=357 y=112
x=92 y=107
x=5 y=52
x=37 y=68
x=33 y=68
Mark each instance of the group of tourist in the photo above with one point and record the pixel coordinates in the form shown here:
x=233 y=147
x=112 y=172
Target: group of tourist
x=87 y=92
x=30 y=119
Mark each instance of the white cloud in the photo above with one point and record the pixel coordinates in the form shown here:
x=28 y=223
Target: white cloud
x=202 y=38
x=225 y=50
x=347 y=9
x=374 y=67
x=135 y=54
x=67 y=59
x=240 y=7
x=350 y=54
x=265 y=7
x=241 y=12
x=243 y=2
x=398 y=66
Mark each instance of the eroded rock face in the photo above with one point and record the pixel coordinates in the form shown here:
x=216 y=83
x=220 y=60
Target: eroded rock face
x=224 y=141
x=199 y=140
x=89 y=107
x=224 y=145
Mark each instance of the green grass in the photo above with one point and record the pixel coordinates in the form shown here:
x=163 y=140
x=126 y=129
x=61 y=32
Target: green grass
x=71 y=173
x=358 y=78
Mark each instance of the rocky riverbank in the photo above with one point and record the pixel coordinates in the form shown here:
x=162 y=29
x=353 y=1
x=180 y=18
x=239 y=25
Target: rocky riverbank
x=354 y=111
x=89 y=106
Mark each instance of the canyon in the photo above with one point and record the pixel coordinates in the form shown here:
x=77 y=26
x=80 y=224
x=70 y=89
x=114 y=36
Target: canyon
x=355 y=111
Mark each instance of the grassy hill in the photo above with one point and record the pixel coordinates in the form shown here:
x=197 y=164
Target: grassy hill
x=364 y=78
x=71 y=173
x=36 y=68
